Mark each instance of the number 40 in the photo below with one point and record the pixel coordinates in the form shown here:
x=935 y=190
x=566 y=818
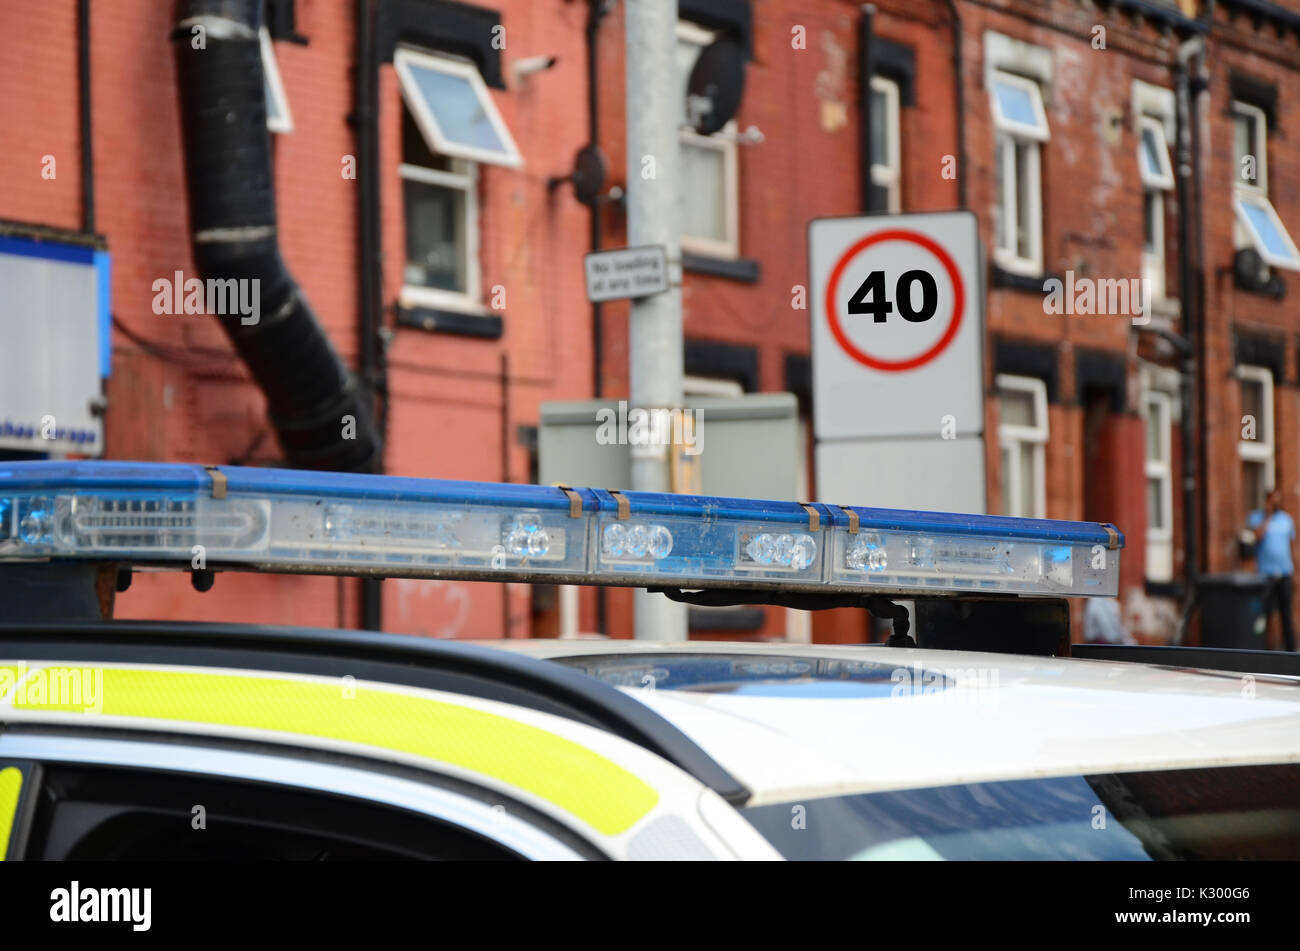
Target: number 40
x=869 y=298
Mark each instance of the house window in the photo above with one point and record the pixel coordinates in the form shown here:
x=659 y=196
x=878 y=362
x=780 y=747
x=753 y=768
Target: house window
x=1258 y=225
x=1157 y=175
x=449 y=126
x=278 y=116
x=1157 y=412
x=709 y=199
x=1022 y=436
x=1021 y=125
x=886 y=160
x=1257 y=474
x=453 y=109
x=440 y=206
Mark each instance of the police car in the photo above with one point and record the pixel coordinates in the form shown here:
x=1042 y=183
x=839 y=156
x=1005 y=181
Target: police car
x=160 y=740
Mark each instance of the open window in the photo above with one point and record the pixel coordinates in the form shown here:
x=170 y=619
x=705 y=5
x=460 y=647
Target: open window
x=1258 y=225
x=449 y=126
x=278 y=116
x=1021 y=124
x=453 y=109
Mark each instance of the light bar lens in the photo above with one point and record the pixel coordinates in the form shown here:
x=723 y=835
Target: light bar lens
x=444 y=530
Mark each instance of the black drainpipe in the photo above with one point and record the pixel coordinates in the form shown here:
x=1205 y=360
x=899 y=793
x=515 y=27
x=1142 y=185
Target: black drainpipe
x=87 y=145
x=232 y=216
x=959 y=96
x=866 y=69
x=365 y=120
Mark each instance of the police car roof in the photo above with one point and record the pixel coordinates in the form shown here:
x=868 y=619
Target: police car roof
x=939 y=718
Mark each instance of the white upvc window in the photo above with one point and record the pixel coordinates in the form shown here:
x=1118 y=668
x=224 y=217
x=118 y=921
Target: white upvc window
x=453 y=108
x=1157 y=412
x=278 y=116
x=1157 y=175
x=1021 y=126
x=709 y=193
x=1250 y=146
x=1257 y=454
x=1022 y=437
x=449 y=126
x=886 y=141
x=1257 y=223
x=440 y=210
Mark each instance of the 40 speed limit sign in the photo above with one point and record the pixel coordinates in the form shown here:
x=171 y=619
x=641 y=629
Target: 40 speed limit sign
x=896 y=304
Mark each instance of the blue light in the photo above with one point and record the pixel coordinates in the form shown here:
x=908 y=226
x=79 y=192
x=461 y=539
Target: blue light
x=335 y=523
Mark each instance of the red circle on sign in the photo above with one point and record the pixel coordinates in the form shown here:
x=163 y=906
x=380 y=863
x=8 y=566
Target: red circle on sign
x=958 y=292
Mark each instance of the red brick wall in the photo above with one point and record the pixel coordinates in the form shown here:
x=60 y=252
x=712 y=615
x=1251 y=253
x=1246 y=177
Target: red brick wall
x=181 y=395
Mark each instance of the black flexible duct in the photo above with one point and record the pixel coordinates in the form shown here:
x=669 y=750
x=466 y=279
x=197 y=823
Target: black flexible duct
x=232 y=216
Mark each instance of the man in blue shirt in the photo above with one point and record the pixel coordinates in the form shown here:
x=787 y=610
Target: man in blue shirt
x=1276 y=535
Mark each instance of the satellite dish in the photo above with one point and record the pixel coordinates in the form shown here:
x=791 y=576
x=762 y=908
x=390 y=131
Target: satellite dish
x=589 y=170
x=716 y=85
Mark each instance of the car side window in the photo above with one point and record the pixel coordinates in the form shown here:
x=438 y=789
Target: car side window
x=100 y=813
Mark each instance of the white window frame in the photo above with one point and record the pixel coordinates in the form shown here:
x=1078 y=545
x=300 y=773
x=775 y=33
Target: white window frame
x=723 y=142
x=1248 y=233
x=1160 y=541
x=1261 y=448
x=889 y=176
x=1039 y=130
x=1255 y=194
x=465 y=178
x=1020 y=439
x=1163 y=177
x=1260 y=118
x=1026 y=139
x=1154 y=186
x=284 y=123
x=404 y=58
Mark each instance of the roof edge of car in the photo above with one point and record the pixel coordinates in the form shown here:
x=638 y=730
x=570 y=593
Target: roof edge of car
x=468 y=669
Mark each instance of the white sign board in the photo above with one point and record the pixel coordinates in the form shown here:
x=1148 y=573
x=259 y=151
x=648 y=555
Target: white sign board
x=626 y=272
x=932 y=475
x=53 y=324
x=896 y=304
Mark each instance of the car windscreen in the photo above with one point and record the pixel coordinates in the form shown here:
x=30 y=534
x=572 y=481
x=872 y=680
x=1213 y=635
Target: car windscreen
x=1222 y=813
x=784 y=675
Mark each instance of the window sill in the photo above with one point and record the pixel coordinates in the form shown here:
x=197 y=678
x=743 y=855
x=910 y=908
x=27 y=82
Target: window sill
x=1017 y=280
x=1166 y=307
x=487 y=326
x=747 y=270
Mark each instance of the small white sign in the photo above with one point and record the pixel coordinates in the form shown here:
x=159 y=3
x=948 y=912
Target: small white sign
x=627 y=272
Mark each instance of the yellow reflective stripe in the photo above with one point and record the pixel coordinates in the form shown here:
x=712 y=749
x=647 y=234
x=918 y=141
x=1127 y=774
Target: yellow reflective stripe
x=574 y=778
x=11 y=783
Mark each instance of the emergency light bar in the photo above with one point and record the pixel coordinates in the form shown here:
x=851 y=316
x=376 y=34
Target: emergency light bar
x=276 y=520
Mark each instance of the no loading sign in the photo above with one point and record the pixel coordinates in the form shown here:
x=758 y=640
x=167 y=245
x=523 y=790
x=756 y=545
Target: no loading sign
x=896 y=328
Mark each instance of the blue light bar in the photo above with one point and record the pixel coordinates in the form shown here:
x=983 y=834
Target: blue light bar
x=332 y=523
